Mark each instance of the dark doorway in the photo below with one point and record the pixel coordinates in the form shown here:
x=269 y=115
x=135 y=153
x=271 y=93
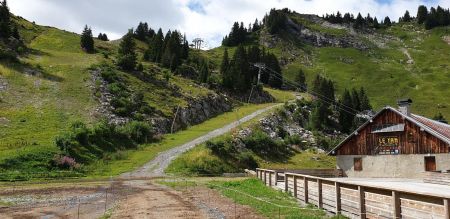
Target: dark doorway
x=430 y=164
x=357 y=164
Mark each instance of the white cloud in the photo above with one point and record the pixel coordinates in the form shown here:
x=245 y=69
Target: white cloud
x=212 y=22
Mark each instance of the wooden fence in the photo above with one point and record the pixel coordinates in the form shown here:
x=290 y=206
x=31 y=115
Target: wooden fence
x=357 y=201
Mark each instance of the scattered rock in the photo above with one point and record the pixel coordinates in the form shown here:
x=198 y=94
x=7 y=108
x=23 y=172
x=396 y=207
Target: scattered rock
x=3 y=84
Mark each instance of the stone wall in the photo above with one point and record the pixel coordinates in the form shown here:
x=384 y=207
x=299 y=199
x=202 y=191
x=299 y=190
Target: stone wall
x=392 y=166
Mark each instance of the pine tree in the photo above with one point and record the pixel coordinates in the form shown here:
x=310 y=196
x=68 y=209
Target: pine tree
x=173 y=50
x=141 y=32
x=365 y=103
x=275 y=79
x=239 y=69
x=156 y=47
x=87 y=41
x=345 y=117
x=347 y=18
x=5 y=20
x=300 y=79
x=356 y=103
x=387 y=21
x=375 y=23
x=275 y=21
x=103 y=37
x=227 y=79
x=256 y=26
x=422 y=13
x=204 y=72
x=127 y=54
x=359 y=22
x=406 y=17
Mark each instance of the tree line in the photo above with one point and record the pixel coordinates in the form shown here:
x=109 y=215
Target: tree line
x=435 y=17
x=239 y=72
x=7 y=27
x=240 y=34
x=169 y=50
x=359 y=22
x=347 y=108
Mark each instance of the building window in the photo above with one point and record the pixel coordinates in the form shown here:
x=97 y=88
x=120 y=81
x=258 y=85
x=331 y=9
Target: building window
x=430 y=163
x=357 y=164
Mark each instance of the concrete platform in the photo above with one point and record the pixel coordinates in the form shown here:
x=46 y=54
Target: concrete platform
x=400 y=184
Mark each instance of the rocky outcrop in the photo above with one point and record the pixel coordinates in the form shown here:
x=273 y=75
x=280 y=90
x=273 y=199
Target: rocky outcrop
x=100 y=89
x=3 y=84
x=200 y=110
x=322 y=39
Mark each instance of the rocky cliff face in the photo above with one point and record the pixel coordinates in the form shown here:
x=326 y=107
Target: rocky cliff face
x=319 y=39
x=200 y=110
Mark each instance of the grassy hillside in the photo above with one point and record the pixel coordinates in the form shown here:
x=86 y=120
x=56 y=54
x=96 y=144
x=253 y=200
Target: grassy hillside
x=51 y=86
x=383 y=69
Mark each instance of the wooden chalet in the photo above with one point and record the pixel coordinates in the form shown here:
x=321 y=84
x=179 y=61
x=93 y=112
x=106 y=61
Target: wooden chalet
x=395 y=143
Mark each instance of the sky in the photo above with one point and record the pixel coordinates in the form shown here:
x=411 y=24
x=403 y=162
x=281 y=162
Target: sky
x=207 y=19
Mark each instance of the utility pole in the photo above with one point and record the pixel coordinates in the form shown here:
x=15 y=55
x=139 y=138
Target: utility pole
x=260 y=66
x=198 y=43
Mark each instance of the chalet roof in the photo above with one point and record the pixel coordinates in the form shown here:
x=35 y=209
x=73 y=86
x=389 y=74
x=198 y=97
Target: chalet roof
x=438 y=129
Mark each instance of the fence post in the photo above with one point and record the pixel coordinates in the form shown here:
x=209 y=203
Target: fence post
x=305 y=185
x=270 y=179
x=396 y=204
x=319 y=193
x=276 y=178
x=265 y=177
x=295 y=186
x=286 y=182
x=337 y=187
x=362 y=205
x=257 y=174
x=447 y=207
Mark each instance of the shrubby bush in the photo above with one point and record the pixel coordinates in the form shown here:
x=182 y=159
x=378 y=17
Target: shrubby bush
x=87 y=144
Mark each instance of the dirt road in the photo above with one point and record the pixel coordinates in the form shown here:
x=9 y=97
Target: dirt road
x=156 y=167
x=127 y=197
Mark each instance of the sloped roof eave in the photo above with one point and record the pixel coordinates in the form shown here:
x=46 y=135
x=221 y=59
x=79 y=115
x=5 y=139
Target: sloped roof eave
x=426 y=128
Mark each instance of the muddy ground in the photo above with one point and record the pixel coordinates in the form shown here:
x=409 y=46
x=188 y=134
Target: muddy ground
x=118 y=199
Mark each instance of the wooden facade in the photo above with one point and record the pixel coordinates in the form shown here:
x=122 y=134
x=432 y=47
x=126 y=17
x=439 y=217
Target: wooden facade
x=413 y=139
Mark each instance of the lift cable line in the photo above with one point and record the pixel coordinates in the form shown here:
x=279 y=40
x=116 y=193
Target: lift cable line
x=332 y=103
x=294 y=84
x=314 y=93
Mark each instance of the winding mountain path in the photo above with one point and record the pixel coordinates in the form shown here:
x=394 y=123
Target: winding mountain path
x=156 y=167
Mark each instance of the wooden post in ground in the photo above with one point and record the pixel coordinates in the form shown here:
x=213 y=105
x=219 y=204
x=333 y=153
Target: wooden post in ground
x=396 y=204
x=286 y=182
x=295 y=186
x=265 y=177
x=319 y=193
x=270 y=179
x=362 y=205
x=276 y=178
x=305 y=188
x=447 y=207
x=337 y=187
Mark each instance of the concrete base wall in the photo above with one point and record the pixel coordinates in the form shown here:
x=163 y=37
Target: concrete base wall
x=398 y=166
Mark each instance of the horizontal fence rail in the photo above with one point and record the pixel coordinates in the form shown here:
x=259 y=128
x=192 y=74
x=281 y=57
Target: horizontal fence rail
x=356 y=201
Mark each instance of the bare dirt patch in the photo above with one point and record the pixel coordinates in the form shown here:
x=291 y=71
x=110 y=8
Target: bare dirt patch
x=156 y=201
x=218 y=206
